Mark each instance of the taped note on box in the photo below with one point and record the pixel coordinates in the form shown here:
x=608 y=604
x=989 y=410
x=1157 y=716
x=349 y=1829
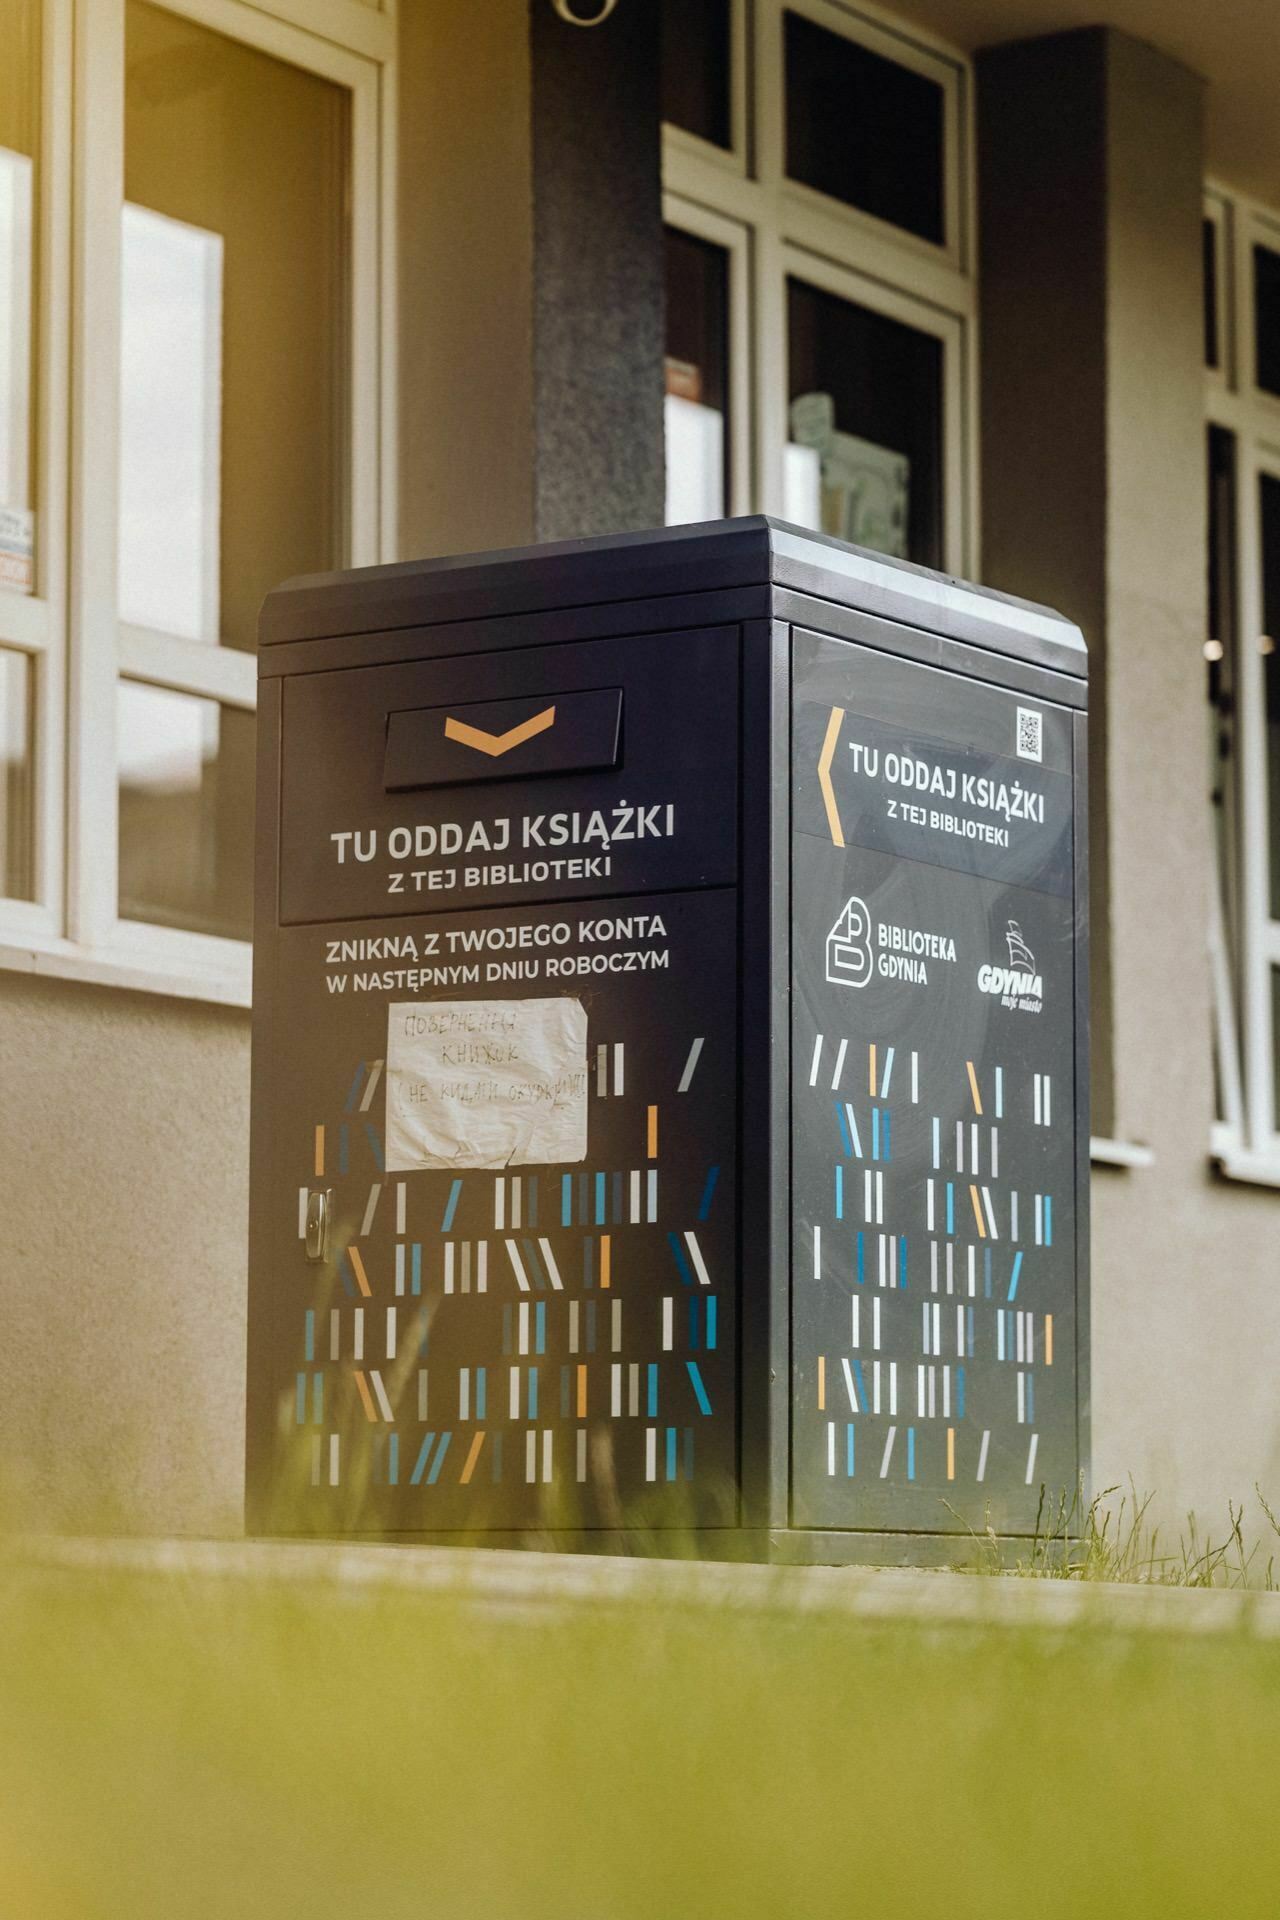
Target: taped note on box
x=486 y=1083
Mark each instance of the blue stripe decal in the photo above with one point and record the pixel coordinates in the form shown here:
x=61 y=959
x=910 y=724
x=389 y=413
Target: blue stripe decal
x=902 y=1261
x=533 y=1393
x=348 y=1284
x=311 y=1334
x=704 y=1405
x=704 y=1207
x=566 y=1200
x=844 y=1128
x=671 y=1453
x=1017 y=1269
x=839 y=1191
x=479 y=1393
x=451 y=1206
x=951 y=1207
x=862 y=1262
x=653 y=1391
x=420 y=1464
x=438 y=1462
x=540 y=1327
x=850 y=1448
x=911 y=1453
x=861 y=1383
x=711 y=1323
x=535 y=1265
x=1048 y=1219
x=600 y=1200
x=415 y=1268
x=875 y=1133
x=393 y=1460
x=681 y=1261
x=350 y=1100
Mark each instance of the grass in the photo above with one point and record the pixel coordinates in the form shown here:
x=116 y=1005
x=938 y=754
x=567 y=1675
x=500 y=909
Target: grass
x=186 y=1747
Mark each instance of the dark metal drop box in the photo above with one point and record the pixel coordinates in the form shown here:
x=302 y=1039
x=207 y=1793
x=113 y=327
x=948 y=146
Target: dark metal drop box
x=670 y=1053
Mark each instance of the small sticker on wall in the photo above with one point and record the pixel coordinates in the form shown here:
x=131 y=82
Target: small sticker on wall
x=17 y=548
x=486 y=1083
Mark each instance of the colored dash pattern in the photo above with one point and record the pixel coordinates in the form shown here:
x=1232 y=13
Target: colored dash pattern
x=520 y=1331
x=947 y=1265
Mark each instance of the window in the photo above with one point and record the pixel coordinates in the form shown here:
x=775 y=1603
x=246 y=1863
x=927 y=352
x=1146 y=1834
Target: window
x=196 y=231
x=1243 y=655
x=820 y=298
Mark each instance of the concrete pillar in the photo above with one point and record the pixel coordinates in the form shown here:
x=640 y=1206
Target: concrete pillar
x=1094 y=499
x=530 y=237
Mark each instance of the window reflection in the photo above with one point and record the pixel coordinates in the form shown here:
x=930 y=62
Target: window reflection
x=186 y=811
x=19 y=95
x=864 y=459
x=235 y=327
x=16 y=837
x=697 y=377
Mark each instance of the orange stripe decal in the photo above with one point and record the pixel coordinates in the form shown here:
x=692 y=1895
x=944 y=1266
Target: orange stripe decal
x=977 y=1213
x=473 y=1454
x=1048 y=1339
x=951 y=1453
x=871 y=1070
x=822 y=1384
x=357 y=1267
x=973 y=1088
x=495 y=744
x=653 y=1133
x=319 y=1153
x=604 y=1260
x=824 y=775
x=582 y=1393
x=366 y=1396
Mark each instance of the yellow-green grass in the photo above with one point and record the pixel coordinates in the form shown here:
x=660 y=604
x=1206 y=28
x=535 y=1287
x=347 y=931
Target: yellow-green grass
x=175 y=1745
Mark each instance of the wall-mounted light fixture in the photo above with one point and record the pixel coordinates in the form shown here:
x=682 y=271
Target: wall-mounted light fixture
x=574 y=11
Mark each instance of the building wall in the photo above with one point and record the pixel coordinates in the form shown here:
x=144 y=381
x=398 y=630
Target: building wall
x=124 y=1149
x=1093 y=176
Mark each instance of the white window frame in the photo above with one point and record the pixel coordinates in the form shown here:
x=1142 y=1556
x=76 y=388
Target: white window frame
x=1246 y=1140
x=776 y=228
x=69 y=627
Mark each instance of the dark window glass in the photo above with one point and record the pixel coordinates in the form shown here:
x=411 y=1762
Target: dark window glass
x=1210 y=231
x=864 y=129
x=1266 y=316
x=696 y=68
x=1270 y=508
x=17 y=839
x=697 y=374
x=1220 y=653
x=864 y=459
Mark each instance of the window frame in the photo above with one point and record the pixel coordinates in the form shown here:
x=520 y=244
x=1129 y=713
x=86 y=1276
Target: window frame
x=1246 y=1139
x=787 y=229
x=69 y=627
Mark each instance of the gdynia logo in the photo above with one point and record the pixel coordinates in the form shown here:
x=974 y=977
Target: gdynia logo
x=1018 y=985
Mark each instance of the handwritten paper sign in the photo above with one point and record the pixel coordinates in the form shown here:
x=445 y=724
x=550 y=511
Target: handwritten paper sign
x=486 y=1083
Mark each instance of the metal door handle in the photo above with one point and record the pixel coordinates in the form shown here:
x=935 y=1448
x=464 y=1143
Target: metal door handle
x=319 y=1206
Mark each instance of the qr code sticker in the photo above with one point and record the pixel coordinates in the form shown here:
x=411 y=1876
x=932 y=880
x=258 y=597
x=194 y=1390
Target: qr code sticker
x=1030 y=734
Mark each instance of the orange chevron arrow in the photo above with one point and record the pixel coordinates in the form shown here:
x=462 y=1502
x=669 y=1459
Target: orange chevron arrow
x=824 y=776
x=498 y=743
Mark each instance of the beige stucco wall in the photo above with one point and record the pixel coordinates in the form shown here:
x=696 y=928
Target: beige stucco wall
x=123 y=1194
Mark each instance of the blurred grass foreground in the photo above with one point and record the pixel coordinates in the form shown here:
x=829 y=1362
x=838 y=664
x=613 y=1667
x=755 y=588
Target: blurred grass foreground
x=272 y=1738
